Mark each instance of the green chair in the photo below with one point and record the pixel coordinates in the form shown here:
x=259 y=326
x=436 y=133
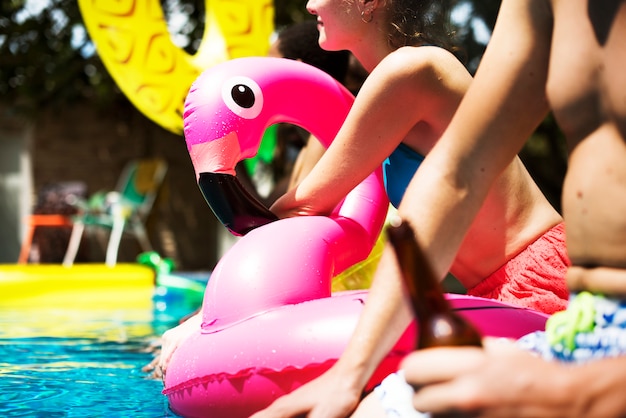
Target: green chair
x=124 y=210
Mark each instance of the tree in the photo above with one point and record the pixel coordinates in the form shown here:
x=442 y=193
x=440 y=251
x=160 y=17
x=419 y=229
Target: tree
x=44 y=59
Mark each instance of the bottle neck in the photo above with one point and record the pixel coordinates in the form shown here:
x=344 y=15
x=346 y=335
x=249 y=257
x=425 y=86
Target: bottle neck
x=432 y=302
x=421 y=283
x=438 y=324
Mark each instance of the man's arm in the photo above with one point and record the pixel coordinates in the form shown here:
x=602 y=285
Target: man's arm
x=504 y=104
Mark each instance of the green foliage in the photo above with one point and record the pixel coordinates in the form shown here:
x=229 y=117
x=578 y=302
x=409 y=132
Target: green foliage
x=41 y=58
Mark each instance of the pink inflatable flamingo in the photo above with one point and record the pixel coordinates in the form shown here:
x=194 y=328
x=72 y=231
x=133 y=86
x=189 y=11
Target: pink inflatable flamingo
x=270 y=323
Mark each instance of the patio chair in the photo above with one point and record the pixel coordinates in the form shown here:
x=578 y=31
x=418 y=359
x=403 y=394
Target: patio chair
x=124 y=210
x=47 y=228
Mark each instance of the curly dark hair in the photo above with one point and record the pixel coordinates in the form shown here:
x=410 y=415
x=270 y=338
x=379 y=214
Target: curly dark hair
x=420 y=22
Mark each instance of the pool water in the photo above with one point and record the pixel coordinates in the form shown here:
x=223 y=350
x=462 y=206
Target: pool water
x=83 y=362
x=56 y=377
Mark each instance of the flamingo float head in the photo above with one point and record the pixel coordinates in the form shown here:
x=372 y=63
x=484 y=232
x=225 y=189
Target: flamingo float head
x=229 y=107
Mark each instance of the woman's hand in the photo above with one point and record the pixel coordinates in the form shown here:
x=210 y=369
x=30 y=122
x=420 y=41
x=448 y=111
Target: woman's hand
x=287 y=206
x=331 y=395
x=172 y=338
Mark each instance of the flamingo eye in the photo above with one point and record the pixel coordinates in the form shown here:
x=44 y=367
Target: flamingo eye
x=243 y=96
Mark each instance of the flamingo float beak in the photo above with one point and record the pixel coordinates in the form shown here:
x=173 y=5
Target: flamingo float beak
x=232 y=204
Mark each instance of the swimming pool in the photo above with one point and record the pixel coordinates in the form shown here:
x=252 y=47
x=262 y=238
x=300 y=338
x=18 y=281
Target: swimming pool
x=83 y=361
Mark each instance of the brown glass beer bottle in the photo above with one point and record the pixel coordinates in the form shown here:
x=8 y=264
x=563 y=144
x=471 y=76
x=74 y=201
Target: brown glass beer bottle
x=438 y=324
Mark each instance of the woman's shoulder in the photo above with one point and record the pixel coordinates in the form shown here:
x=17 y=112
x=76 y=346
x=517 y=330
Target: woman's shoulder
x=424 y=68
x=416 y=57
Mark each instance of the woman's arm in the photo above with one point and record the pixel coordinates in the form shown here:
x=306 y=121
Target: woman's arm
x=505 y=103
x=337 y=392
x=405 y=89
x=309 y=155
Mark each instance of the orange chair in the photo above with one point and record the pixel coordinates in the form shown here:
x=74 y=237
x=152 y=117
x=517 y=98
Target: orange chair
x=124 y=210
x=36 y=220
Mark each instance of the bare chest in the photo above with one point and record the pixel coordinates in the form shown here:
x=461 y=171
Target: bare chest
x=587 y=75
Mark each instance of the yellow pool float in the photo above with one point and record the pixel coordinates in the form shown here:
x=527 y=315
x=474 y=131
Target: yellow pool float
x=94 y=286
x=134 y=43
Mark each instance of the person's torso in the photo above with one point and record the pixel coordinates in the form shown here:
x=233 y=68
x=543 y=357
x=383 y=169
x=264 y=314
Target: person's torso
x=587 y=92
x=513 y=216
x=515 y=212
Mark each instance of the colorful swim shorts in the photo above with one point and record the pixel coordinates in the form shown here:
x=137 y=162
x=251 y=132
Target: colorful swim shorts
x=535 y=278
x=592 y=327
